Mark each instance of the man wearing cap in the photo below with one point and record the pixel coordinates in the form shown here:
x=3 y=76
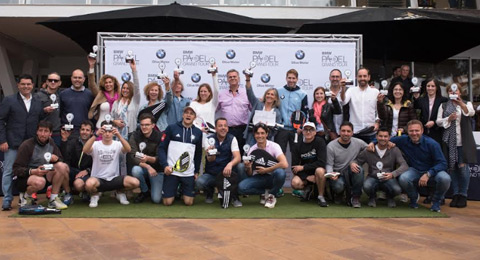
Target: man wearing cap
x=180 y=154
x=308 y=161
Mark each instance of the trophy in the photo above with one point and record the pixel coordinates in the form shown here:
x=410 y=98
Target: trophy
x=213 y=151
x=348 y=81
x=384 y=89
x=213 y=68
x=48 y=166
x=140 y=154
x=249 y=72
x=93 y=54
x=380 y=174
x=69 y=126
x=54 y=105
x=129 y=58
x=108 y=126
x=178 y=62
x=246 y=157
x=161 y=75
x=454 y=89
x=415 y=88
x=327 y=89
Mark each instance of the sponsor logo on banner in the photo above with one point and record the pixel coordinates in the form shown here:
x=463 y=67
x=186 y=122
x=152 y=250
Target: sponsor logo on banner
x=196 y=77
x=126 y=77
x=330 y=59
x=222 y=81
x=119 y=58
x=230 y=54
x=265 y=78
x=300 y=55
x=161 y=54
x=152 y=77
x=189 y=58
x=262 y=59
x=305 y=84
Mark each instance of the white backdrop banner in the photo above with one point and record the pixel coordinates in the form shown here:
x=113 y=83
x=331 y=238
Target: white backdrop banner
x=312 y=60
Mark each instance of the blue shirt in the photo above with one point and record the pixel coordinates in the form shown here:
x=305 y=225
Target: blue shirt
x=424 y=156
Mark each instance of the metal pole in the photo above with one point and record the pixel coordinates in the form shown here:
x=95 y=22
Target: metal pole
x=470 y=83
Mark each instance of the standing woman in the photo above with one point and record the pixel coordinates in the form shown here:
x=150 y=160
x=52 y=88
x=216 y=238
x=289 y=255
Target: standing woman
x=107 y=92
x=322 y=114
x=428 y=106
x=206 y=103
x=154 y=95
x=454 y=116
x=125 y=109
x=270 y=103
x=398 y=110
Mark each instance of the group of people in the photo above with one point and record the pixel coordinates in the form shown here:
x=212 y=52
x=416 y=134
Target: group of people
x=174 y=147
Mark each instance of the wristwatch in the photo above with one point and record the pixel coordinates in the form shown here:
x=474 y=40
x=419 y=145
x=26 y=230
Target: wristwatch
x=428 y=174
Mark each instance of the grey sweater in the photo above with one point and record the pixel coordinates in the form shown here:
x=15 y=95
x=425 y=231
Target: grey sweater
x=339 y=158
x=391 y=159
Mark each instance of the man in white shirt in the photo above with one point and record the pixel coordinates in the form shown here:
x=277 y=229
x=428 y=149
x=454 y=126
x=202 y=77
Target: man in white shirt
x=363 y=107
x=105 y=174
x=337 y=87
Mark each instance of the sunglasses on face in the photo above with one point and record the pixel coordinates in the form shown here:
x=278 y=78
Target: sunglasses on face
x=53 y=80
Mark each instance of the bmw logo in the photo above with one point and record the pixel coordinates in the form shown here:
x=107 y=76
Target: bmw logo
x=196 y=77
x=265 y=78
x=300 y=55
x=230 y=54
x=126 y=77
x=161 y=54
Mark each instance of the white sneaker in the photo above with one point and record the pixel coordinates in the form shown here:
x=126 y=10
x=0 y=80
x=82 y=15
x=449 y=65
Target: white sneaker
x=262 y=199
x=94 y=201
x=122 y=198
x=270 y=202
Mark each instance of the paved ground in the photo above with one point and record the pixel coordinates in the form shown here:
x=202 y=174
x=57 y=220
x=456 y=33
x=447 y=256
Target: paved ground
x=457 y=237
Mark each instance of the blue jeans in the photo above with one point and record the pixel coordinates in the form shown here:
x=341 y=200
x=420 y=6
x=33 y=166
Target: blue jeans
x=240 y=170
x=460 y=176
x=8 y=160
x=356 y=181
x=257 y=184
x=391 y=187
x=409 y=182
x=156 y=183
x=206 y=182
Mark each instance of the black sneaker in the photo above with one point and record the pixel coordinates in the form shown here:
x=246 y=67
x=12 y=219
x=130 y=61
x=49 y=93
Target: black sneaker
x=307 y=193
x=322 y=202
x=454 y=202
x=462 y=201
x=140 y=198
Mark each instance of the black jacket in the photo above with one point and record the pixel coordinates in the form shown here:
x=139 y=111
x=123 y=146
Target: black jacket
x=16 y=124
x=73 y=155
x=328 y=110
x=422 y=104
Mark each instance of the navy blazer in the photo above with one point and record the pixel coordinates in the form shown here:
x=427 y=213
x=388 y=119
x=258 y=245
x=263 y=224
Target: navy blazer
x=16 y=124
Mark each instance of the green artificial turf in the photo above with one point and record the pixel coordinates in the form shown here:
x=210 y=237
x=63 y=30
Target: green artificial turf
x=287 y=207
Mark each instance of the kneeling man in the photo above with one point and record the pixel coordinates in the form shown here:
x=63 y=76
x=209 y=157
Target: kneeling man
x=384 y=165
x=29 y=167
x=105 y=175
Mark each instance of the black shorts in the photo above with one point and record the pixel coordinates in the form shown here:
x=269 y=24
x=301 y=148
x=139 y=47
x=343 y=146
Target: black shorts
x=21 y=183
x=170 y=185
x=114 y=184
x=304 y=174
x=73 y=173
